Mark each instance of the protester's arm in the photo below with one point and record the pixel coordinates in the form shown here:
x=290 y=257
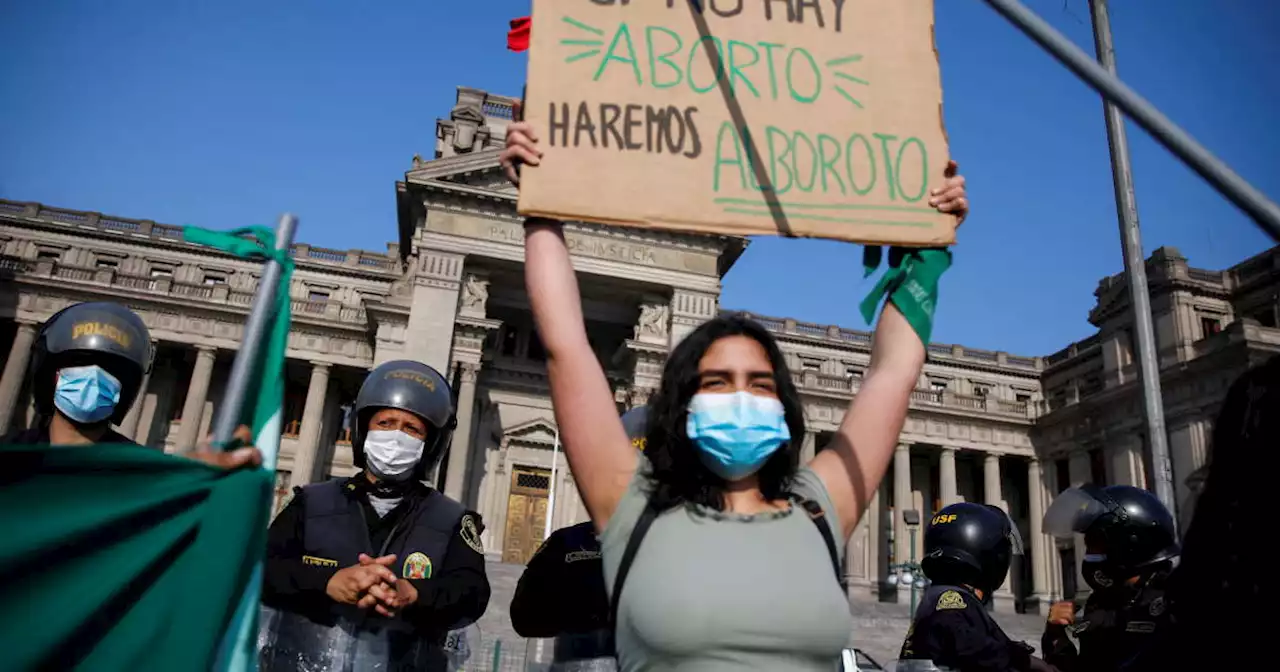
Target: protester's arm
x=858 y=456
x=536 y=609
x=459 y=594
x=599 y=453
x=285 y=575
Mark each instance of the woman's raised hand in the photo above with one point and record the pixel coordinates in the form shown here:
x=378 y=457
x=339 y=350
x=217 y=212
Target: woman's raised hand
x=950 y=197
x=522 y=147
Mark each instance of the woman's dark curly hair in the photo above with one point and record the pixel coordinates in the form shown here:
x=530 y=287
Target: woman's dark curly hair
x=1226 y=579
x=678 y=475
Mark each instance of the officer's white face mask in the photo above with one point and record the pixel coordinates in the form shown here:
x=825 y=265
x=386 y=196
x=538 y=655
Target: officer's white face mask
x=392 y=454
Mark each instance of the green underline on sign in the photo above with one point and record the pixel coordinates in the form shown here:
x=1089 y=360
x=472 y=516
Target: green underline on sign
x=824 y=218
x=579 y=57
x=760 y=203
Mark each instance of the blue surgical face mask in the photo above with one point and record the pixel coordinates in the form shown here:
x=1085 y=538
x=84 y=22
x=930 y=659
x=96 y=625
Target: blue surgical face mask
x=86 y=394
x=736 y=433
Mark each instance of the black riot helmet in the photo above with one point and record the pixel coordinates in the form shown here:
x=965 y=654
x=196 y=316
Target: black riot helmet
x=636 y=423
x=413 y=387
x=100 y=333
x=1127 y=531
x=970 y=544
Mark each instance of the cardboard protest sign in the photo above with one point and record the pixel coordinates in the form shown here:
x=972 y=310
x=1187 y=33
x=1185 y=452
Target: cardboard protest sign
x=814 y=118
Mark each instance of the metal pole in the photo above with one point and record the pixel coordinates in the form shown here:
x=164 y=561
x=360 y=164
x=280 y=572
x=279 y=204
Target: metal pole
x=1265 y=213
x=228 y=417
x=915 y=575
x=551 y=491
x=1135 y=266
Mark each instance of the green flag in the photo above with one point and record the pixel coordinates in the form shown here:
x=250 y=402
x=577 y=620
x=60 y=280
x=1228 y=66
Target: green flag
x=123 y=558
x=262 y=412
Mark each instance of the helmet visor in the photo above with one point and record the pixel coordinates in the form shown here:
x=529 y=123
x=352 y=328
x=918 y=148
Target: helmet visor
x=1072 y=512
x=1015 y=538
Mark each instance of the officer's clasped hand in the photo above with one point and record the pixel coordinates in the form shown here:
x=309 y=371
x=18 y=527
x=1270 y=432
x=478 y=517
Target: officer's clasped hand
x=1062 y=613
x=387 y=598
x=352 y=585
x=371 y=585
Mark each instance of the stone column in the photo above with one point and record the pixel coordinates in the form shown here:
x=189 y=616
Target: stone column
x=992 y=495
x=15 y=369
x=304 y=460
x=429 y=335
x=1080 y=471
x=197 y=390
x=901 y=502
x=991 y=479
x=460 y=452
x=809 y=448
x=875 y=544
x=129 y=426
x=1038 y=545
x=688 y=310
x=947 y=477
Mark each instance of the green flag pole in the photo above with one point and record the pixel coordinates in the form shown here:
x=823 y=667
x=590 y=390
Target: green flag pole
x=230 y=411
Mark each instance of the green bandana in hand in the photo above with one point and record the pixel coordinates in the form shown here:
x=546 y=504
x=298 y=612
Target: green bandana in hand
x=911 y=283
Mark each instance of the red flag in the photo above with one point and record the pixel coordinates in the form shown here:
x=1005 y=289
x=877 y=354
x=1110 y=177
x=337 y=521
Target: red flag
x=518 y=36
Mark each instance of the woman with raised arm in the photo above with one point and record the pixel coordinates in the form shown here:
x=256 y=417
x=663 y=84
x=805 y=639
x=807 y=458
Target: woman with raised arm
x=730 y=575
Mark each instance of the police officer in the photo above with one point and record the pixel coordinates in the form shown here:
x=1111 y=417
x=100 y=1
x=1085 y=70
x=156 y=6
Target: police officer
x=562 y=594
x=1130 y=550
x=86 y=370
x=371 y=572
x=967 y=548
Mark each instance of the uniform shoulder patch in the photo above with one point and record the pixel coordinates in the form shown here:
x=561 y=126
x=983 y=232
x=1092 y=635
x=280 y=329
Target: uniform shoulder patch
x=951 y=600
x=470 y=533
x=417 y=566
x=1157 y=606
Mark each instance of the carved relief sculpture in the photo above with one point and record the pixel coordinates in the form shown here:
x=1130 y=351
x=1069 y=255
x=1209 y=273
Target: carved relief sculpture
x=652 y=326
x=475 y=293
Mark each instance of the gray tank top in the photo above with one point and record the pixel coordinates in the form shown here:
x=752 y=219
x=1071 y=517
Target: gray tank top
x=710 y=590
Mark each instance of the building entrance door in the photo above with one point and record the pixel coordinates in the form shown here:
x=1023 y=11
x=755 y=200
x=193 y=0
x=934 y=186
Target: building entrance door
x=526 y=513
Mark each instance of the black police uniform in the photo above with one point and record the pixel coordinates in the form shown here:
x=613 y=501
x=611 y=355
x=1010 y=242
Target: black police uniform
x=953 y=629
x=325 y=528
x=1112 y=630
x=1137 y=534
x=968 y=548
x=562 y=594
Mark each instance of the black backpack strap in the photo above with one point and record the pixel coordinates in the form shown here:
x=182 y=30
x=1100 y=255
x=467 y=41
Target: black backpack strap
x=819 y=518
x=647 y=517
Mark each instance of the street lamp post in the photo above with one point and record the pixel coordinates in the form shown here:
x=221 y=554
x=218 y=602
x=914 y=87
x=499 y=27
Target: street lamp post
x=909 y=572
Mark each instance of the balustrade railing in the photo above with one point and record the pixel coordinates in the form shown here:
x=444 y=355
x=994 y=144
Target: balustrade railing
x=920 y=397
x=938 y=351
x=80 y=220
x=106 y=279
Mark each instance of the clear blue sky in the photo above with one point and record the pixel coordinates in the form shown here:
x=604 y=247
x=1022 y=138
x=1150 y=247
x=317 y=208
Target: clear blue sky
x=226 y=113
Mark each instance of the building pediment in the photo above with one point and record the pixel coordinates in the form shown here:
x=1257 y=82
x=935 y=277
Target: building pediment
x=457 y=168
x=537 y=433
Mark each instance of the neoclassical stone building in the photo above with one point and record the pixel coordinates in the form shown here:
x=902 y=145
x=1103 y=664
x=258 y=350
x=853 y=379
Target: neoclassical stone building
x=984 y=426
